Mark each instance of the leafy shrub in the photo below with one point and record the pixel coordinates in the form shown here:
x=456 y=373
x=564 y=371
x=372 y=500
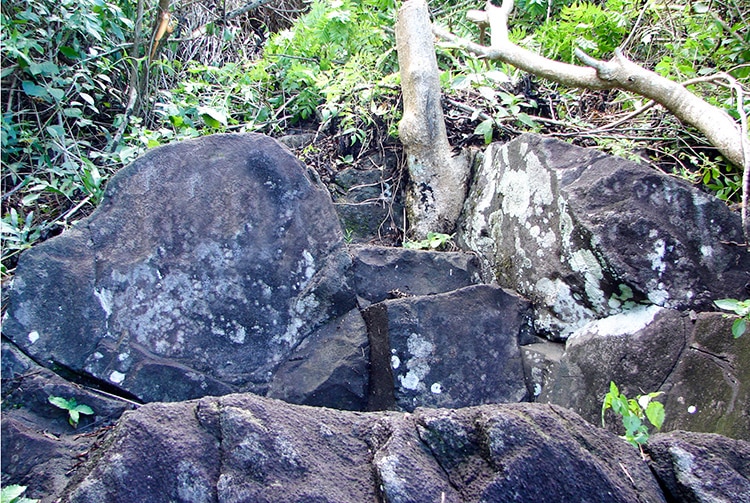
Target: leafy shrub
x=63 y=72
x=634 y=412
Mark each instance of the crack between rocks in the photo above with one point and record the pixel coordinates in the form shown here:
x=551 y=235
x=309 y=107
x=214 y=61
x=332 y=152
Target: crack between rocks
x=219 y=438
x=727 y=370
x=432 y=453
x=677 y=360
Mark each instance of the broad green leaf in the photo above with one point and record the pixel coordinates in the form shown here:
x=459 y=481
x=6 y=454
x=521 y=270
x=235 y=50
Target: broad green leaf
x=29 y=199
x=56 y=131
x=69 y=52
x=212 y=117
x=739 y=327
x=655 y=414
x=34 y=90
x=726 y=304
x=485 y=129
x=84 y=409
x=88 y=99
x=60 y=402
x=45 y=68
x=56 y=93
x=631 y=424
x=525 y=119
x=11 y=492
x=73 y=417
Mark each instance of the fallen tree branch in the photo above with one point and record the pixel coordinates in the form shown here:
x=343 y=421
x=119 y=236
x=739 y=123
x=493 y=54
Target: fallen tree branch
x=719 y=128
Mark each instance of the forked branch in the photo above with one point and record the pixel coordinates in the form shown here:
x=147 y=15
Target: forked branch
x=719 y=128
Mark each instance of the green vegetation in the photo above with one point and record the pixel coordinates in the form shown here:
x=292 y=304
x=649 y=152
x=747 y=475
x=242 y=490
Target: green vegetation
x=739 y=307
x=434 y=241
x=14 y=494
x=634 y=412
x=82 y=96
x=74 y=408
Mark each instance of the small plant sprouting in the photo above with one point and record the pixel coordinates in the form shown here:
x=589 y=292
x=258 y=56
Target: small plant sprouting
x=14 y=494
x=741 y=308
x=74 y=408
x=633 y=412
x=434 y=241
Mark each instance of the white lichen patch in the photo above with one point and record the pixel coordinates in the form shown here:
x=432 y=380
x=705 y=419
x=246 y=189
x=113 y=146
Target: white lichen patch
x=559 y=310
x=515 y=187
x=33 y=336
x=116 y=377
x=541 y=180
x=657 y=256
x=417 y=365
x=658 y=295
x=436 y=388
x=238 y=335
x=105 y=300
x=418 y=346
x=395 y=362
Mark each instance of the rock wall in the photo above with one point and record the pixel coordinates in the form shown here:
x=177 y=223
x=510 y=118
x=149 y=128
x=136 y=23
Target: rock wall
x=218 y=265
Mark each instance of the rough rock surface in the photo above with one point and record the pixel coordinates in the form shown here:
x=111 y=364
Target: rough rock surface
x=330 y=368
x=39 y=446
x=700 y=368
x=178 y=286
x=451 y=350
x=584 y=235
x=380 y=273
x=242 y=448
x=701 y=467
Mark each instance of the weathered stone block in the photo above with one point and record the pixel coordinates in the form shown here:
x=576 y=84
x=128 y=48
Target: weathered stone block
x=452 y=350
x=696 y=363
x=330 y=368
x=585 y=235
x=377 y=271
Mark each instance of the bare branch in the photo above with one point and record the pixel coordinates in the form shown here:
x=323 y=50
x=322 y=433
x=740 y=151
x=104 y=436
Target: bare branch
x=719 y=128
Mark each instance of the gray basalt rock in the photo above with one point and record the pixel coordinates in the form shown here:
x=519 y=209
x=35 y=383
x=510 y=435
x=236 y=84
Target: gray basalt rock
x=206 y=265
x=696 y=363
x=381 y=273
x=701 y=467
x=242 y=448
x=584 y=235
x=449 y=350
x=330 y=368
x=39 y=446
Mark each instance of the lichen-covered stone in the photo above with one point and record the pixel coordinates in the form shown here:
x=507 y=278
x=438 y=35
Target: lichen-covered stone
x=207 y=263
x=585 y=235
x=701 y=467
x=454 y=349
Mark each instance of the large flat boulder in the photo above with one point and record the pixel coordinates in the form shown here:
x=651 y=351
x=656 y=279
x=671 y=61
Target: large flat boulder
x=206 y=265
x=242 y=448
x=585 y=235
